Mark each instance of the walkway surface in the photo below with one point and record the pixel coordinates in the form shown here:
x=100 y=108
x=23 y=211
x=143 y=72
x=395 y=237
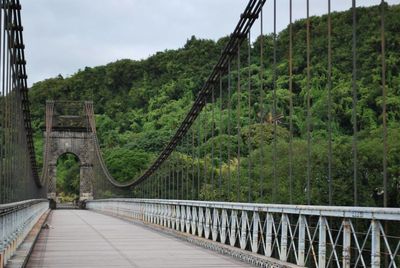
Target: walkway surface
x=82 y=238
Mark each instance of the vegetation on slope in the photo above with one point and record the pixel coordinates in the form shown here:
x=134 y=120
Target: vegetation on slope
x=139 y=105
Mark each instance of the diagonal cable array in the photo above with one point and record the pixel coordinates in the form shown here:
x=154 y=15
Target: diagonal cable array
x=283 y=118
x=18 y=169
x=253 y=132
x=239 y=35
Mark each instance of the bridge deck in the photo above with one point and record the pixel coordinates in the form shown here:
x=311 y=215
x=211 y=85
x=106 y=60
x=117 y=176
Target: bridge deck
x=81 y=238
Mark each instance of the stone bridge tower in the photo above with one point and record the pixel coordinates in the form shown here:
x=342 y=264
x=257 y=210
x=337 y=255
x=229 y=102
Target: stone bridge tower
x=68 y=131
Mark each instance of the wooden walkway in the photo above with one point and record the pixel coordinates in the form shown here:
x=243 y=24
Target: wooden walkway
x=81 y=238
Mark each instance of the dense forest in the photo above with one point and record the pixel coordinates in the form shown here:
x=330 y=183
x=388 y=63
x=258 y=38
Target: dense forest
x=139 y=105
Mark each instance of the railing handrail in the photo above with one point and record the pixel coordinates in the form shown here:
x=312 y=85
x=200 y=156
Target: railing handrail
x=15 y=206
x=378 y=213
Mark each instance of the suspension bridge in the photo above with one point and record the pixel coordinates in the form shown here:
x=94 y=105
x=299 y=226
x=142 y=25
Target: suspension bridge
x=202 y=201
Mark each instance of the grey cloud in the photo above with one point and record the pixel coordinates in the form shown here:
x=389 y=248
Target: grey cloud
x=62 y=36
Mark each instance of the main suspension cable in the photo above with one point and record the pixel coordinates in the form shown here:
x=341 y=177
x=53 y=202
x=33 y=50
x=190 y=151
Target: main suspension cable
x=244 y=25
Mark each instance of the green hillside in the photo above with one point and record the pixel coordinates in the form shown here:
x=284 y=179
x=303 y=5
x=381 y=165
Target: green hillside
x=139 y=105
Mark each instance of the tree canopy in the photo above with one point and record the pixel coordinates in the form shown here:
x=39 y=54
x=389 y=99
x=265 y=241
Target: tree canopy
x=140 y=104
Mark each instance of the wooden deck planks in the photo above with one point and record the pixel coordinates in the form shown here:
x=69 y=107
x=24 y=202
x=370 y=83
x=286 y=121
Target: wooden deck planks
x=81 y=238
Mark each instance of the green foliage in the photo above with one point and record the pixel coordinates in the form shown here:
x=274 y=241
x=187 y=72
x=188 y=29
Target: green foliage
x=140 y=104
x=125 y=164
x=68 y=176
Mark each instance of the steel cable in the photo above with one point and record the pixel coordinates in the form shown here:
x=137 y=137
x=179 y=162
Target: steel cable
x=238 y=125
x=309 y=172
x=198 y=156
x=290 y=102
x=249 y=146
x=193 y=165
x=261 y=104
x=354 y=102
x=212 y=139
x=275 y=187
x=229 y=132
x=3 y=106
x=245 y=23
x=187 y=139
x=384 y=101
x=329 y=103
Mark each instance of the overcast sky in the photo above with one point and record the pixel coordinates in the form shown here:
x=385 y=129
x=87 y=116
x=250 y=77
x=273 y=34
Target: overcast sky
x=62 y=36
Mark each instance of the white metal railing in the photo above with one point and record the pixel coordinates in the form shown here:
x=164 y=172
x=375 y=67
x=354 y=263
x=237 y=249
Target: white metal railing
x=16 y=220
x=312 y=236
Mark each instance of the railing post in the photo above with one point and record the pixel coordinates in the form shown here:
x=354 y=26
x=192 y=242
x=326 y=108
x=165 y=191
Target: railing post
x=322 y=243
x=169 y=216
x=375 y=245
x=173 y=216
x=194 y=220
x=136 y=211
x=164 y=215
x=215 y=224
x=183 y=218
x=243 y=233
x=177 y=217
x=146 y=212
x=207 y=223
x=284 y=240
x=254 y=240
x=153 y=213
x=232 y=234
x=200 y=222
x=160 y=214
x=224 y=220
x=268 y=235
x=346 y=243
x=188 y=218
x=302 y=240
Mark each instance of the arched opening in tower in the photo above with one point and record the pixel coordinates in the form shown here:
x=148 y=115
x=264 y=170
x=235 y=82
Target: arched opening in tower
x=68 y=178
